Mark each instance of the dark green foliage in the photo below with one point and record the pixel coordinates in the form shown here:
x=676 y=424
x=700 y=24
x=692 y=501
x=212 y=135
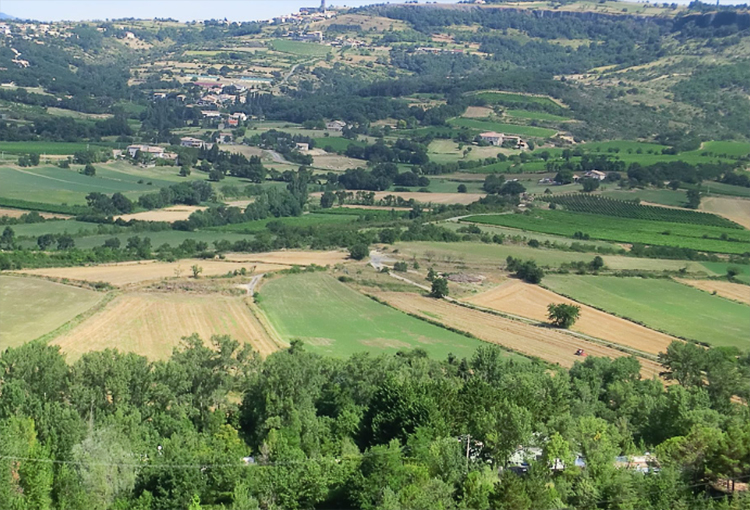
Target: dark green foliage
x=439 y=288
x=527 y=270
x=359 y=251
x=563 y=315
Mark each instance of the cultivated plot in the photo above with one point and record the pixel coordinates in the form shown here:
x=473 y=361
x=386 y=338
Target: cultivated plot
x=662 y=304
x=32 y=307
x=333 y=319
x=153 y=324
x=525 y=300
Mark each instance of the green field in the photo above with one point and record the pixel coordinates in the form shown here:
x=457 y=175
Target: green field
x=719 y=188
x=500 y=127
x=300 y=48
x=720 y=269
x=306 y=220
x=72 y=227
x=32 y=307
x=533 y=115
x=624 y=230
x=51 y=148
x=510 y=98
x=494 y=255
x=655 y=196
x=332 y=319
x=662 y=304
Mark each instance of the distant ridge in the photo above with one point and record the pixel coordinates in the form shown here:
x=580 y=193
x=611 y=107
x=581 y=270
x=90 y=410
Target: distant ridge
x=6 y=16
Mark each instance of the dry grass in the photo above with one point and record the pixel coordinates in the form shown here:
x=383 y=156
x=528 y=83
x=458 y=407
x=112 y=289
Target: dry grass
x=478 y=112
x=734 y=209
x=17 y=213
x=335 y=162
x=127 y=273
x=734 y=291
x=518 y=298
x=434 y=198
x=168 y=214
x=544 y=343
x=152 y=325
x=245 y=150
x=289 y=258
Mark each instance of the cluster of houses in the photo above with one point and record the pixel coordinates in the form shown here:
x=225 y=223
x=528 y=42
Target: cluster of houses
x=591 y=174
x=153 y=151
x=494 y=138
x=520 y=461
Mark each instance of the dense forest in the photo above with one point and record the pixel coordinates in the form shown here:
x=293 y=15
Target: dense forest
x=219 y=427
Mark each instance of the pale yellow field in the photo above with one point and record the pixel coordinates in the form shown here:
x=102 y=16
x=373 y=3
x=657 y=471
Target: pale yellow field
x=152 y=325
x=525 y=300
x=729 y=290
x=169 y=214
x=735 y=209
x=548 y=344
x=289 y=258
x=336 y=162
x=477 y=112
x=136 y=272
x=17 y=213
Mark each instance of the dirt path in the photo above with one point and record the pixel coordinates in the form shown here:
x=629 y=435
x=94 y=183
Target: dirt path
x=526 y=300
x=250 y=287
x=547 y=344
x=734 y=291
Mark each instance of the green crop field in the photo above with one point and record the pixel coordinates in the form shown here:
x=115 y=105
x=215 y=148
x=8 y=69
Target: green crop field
x=720 y=269
x=31 y=307
x=719 y=188
x=662 y=304
x=72 y=227
x=337 y=143
x=510 y=98
x=51 y=148
x=625 y=230
x=171 y=237
x=300 y=48
x=533 y=115
x=330 y=318
x=655 y=196
x=500 y=127
x=728 y=148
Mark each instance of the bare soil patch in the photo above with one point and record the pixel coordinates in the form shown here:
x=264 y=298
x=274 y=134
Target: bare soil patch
x=734 y=209
x=169 y=214
x=518 y=298
x=153 y=324
x=545 y=343
x=17 y=213
x=137 y=272
x=734 y=291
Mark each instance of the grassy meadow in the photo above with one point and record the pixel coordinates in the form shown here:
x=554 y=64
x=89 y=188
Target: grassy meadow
x=333 y=319
x=662 y=304
x=32 y=307
x=484 y=125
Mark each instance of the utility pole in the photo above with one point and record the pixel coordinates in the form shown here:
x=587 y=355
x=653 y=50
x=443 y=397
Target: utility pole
x=468 y=441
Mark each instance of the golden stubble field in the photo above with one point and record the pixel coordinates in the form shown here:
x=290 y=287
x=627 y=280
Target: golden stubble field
x=518 y=298
x=127 y=273
x=734 y=291
x=168 y=214
x=545 y=343
x=424 y=198
x=153 y=324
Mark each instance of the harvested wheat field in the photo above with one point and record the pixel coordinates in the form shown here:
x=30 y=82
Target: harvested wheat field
x=136 y=272
x=169 y=214
x=518 y=298
x=423 y=198
x=545 y=343
x=153 y=324
x=290 y=258
x=734 y=209
x=478 y=112
x=17 y=213
x=734 y=291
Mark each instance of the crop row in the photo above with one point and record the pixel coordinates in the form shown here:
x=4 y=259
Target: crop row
x=605 y=206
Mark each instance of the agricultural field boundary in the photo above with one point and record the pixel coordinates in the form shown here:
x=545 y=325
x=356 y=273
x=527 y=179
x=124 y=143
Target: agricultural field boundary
x=78 y=319
x=270 y=331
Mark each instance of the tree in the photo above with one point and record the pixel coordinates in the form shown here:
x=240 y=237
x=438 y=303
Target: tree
x=590 y=184
x=462 y=188
x=65 y=242
x=439 y=288
x=197 y=270
x=563 y=315
x=493 y=183
x=511 y=188
x=693 y=198
x=359 y=251
x=327 y=200
x=732 y=272
x=122 y=203
x=89 y=170
x=184 y=171
x=44 y=241
x=685 y=363
x=8 y=239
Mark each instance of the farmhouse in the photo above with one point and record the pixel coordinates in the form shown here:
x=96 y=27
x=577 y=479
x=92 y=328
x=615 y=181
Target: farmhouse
x=188 y=141
x=152 y=150
x=492 y=138
x=595 y=174
x=224 y=137
x=335 y=125
x=302 y=147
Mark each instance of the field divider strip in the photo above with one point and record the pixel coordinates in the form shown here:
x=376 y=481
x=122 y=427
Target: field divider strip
x=265 y=323
x=78 y=319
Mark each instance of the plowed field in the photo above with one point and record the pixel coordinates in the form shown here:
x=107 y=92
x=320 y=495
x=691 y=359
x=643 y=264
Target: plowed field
x=152 y=324
x=519 y=298
x=547 y=344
